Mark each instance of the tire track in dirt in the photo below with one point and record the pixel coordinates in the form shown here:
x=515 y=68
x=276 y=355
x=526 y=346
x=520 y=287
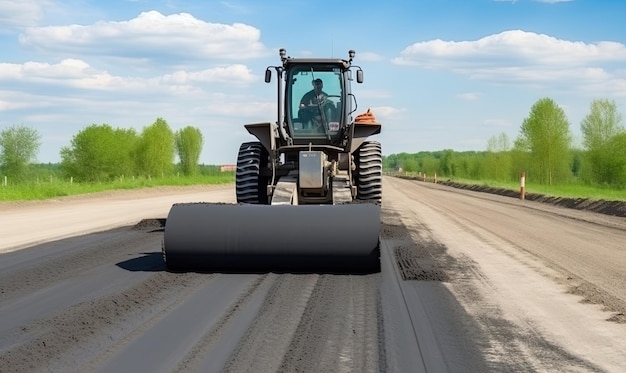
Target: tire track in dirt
x=340 y=328
x=81 y=332
x=204 y=356
x=29 y=269
x=267 y=340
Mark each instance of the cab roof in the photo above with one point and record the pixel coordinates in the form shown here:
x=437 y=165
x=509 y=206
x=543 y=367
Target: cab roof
x=316 y=61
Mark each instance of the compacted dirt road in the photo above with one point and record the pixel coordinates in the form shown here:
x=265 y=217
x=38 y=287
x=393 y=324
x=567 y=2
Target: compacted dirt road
x=469 y=282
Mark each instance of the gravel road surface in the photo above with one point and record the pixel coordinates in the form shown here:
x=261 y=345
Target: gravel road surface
x=26 y=223
x=470 y=282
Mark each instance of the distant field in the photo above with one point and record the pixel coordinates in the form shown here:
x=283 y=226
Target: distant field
x=54 y=187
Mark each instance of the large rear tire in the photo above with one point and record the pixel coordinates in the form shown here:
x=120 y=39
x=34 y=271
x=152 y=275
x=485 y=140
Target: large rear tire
x=251 y=186
x=369 y=172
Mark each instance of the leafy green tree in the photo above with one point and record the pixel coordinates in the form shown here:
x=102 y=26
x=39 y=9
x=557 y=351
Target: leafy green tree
x=99 y=153
x=469 y=164
x=390 y=162
x=576 y=162
x=545 y=134
x=599 y=127
x=521 y=160
x=498 y=159
x=410 y=165
x=189 y=143
x=602 y=123
x=19 y=146
x=447 y=165
x=155 y=149
x=616 y=166
x=428 y=163
x=403 y=161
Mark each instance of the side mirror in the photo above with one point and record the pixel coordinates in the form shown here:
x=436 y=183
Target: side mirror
x=268 y=76
x=359 y=76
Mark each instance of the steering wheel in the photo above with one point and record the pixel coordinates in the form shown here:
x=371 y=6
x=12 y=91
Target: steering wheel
x=323 y=103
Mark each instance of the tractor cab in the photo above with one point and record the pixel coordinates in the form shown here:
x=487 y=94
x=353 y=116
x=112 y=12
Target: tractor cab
x=315 y=99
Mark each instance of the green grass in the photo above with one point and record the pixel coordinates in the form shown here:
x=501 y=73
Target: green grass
x=572 y=190
x=54 y=187
x=563 y=190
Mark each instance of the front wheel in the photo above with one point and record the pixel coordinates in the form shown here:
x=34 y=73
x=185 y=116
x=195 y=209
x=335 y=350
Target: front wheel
x=251 y=187
x=369 y=172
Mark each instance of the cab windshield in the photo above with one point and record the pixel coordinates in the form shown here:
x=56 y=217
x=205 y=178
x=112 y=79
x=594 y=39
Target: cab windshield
x=315 y=100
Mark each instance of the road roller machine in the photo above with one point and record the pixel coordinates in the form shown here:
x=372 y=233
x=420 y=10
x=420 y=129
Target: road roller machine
x=308 y=189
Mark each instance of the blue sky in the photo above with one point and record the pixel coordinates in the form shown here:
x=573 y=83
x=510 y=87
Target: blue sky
x=439 y=74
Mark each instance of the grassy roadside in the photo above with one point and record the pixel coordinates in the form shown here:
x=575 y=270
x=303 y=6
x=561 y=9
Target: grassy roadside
x=565 y=190
x=59 y=188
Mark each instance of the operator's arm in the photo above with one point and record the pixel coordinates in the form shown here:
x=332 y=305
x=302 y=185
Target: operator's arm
x=305 y=100
x=324 y=99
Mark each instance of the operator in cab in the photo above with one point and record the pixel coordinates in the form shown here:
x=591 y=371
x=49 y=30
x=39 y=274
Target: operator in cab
x=315 y=108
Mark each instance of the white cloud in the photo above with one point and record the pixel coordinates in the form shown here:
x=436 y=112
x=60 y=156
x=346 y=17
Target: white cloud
x=228 y=74
x=79 y=74
x=237 y=107
x=513 y=47
x=21 y=13
x=5 y=105
x=151 y=36
x=468 y=96
x=521 y=57
x=76 y=94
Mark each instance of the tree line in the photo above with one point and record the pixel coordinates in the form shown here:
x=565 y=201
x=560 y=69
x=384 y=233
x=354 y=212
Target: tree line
x=100 y=152
x=543 y=149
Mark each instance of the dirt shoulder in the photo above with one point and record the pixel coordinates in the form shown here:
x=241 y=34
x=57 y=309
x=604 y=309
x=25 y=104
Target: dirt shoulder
x=116 y=194
x=614 y=208
x=31 y=222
